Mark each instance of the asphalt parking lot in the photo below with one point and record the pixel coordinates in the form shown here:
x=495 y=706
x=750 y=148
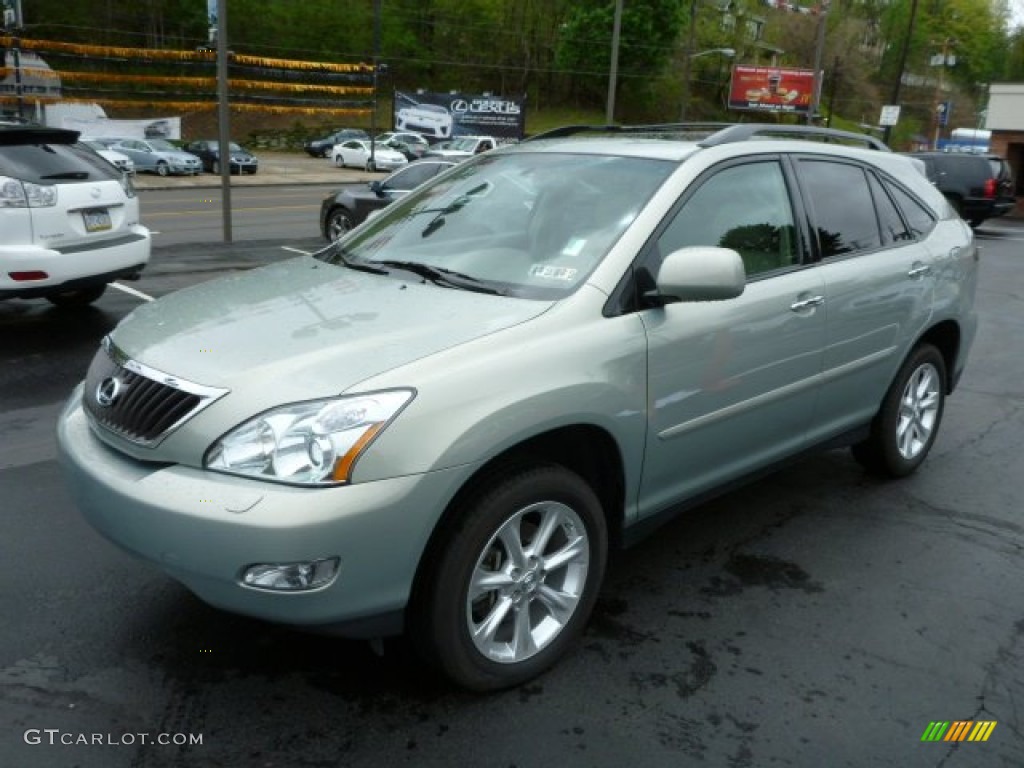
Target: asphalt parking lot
x=817 y=617
x=275 y=168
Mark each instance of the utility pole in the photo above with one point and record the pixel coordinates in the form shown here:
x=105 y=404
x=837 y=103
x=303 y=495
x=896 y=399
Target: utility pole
x=13 y=23
x=376 y=68
x=691 y=41
x=609 y=113
x=895 y=98
x=819 y=49
x=832 y=93
x=224 y=117
x=940 y=109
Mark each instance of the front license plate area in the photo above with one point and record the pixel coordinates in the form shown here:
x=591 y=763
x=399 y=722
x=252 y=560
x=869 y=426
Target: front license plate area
x=96 y=219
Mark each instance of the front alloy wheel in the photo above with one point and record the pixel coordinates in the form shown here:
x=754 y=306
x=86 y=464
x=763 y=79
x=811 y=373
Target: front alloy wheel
x=339 y=221
x=163 y=169
x=516 y=579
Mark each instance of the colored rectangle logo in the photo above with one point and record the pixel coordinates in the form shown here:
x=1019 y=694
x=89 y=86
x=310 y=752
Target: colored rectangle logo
x=958 y=730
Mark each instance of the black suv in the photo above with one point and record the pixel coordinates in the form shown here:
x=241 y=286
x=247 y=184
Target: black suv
x=979 y=187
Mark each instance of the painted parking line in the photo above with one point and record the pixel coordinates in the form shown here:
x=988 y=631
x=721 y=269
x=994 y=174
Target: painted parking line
x=296 y=250
x=132 y=292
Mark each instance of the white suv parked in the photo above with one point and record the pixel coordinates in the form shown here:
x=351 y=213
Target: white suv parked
x=69 y=220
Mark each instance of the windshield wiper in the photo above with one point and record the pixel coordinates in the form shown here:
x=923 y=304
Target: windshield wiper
x=441 y=276
x=334 y=254
x=458 y=203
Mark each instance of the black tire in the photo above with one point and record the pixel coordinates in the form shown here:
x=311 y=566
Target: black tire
x=908 y=422
x=163 y=169
x=81 y=297
x=975 y=222
x=339 y=161
x=339 y=221
x=371 y=167
x=536 y=612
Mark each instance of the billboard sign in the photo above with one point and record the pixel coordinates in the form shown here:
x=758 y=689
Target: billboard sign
x=105 y=127
x=439 y=116
x=771 y=89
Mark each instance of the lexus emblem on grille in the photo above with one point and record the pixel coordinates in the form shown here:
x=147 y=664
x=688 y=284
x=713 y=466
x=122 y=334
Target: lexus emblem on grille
x=108 y=390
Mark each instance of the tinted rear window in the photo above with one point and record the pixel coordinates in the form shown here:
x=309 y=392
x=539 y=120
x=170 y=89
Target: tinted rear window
x=54 y=163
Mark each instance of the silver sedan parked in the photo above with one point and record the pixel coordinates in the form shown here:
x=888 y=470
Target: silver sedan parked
x=156 y=156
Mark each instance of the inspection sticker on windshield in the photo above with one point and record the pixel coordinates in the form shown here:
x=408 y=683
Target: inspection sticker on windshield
x=552 y=272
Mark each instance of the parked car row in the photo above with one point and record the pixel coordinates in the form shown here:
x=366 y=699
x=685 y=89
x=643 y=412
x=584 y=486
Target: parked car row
x=351 y=147
x=162 y=157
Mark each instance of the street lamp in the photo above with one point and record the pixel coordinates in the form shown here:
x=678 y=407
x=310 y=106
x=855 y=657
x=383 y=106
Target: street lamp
x=726 y=52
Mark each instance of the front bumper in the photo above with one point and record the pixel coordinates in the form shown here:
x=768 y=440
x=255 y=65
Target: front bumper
x=204 y=528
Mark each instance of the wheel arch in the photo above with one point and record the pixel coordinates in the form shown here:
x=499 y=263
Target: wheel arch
x=945 y=337
x=588 y=450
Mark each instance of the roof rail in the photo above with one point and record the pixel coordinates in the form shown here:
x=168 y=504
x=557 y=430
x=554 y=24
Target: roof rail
x=632 y=130
x=747 y=131
x=714 y=134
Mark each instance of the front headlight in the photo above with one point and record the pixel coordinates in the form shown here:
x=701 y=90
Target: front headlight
x=312 y=443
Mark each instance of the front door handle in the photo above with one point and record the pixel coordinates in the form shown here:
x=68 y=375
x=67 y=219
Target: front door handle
x=918 y=270
x=808 y=303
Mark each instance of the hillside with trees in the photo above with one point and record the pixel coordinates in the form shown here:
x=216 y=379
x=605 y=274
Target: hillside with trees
x=555 y=53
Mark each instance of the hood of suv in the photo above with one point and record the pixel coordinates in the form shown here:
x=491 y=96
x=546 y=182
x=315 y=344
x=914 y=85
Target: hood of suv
x=308 y=329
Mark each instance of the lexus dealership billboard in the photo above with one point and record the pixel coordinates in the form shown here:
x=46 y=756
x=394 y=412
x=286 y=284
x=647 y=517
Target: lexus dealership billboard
x=771 y=89
x=439 y=116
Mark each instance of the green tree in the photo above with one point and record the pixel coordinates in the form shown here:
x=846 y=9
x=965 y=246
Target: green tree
x=649 y=37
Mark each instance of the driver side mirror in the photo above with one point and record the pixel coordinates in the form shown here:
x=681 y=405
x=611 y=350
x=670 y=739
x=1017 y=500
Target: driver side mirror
x=377 y=188
x=699 y=273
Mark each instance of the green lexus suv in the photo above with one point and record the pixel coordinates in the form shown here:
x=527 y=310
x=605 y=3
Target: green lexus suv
x=441 y=423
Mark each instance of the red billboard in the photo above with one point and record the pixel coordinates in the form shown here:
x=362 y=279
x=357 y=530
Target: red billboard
x=771 y=89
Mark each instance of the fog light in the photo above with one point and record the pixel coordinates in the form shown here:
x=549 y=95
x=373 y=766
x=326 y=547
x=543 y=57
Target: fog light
x=291 y=577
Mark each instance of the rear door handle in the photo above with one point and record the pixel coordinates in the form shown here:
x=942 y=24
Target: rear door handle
x=808 y=303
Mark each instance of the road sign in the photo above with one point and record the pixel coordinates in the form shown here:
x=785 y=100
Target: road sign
x=890 y=115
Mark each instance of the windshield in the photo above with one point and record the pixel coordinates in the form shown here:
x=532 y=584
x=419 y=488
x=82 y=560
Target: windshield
x=531 y=225
x=466 y=145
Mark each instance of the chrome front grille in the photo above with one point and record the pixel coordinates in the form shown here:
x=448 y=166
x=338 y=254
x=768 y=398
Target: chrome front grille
x=139 y=403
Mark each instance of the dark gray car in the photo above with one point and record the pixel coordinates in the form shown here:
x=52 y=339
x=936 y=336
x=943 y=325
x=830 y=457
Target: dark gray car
x=343 y=209
x=208 y=151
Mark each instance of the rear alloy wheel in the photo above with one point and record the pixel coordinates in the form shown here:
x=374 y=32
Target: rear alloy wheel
x=163 y=169
x=215 y=167
x=339 y=161
x=371 y=167
x=339 y=221
x=907 y=424
x=81 y=297
x=515 y=579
